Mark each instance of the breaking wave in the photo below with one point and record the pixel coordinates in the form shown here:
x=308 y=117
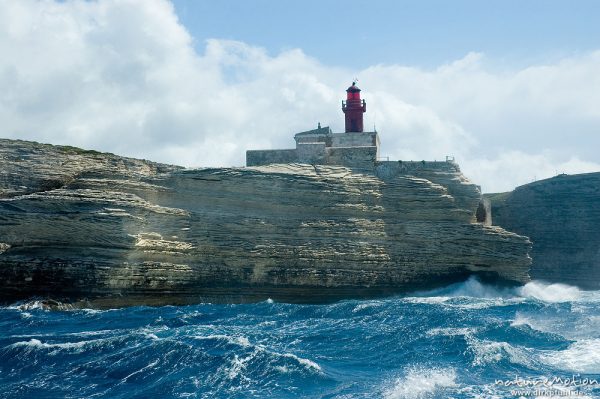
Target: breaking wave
x=550 y=292
x=457 y=341
x=419 y=383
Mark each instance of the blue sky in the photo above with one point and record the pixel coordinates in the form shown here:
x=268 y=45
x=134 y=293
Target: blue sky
x=511 y=89
x=416 y=33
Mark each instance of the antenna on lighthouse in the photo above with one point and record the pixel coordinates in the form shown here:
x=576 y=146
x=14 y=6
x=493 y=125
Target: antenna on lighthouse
x=375 y=121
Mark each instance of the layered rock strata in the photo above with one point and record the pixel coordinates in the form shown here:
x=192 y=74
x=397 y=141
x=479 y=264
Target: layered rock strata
x=561 y=216
x=119 y=231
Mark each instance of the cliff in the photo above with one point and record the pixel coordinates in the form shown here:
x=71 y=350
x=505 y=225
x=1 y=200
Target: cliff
x=561 y=216
x=118 y=231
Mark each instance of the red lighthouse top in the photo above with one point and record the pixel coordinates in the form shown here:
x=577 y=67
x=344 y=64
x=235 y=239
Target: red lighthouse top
x=353 y=92
x=353 y=109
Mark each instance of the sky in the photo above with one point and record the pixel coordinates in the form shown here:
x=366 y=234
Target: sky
x=511 y=89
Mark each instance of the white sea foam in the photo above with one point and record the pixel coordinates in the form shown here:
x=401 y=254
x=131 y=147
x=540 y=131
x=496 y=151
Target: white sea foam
x=450 y=331
x=471 y=304
x=480 y=303
x=421 y=383
x=234 y=340
x=282 y=369
x=477 y=295
x=40 y=305
x=430 y=300
x=96 y=332
x=39 y=344
x=546 y=324
x=521 y=320
x=476 y=289
x=550 y=292
x=95 y=311
x=367 y=305
x=580 y=357
x=309 y=364
x=151 y=332
x=146 y=367
x=487 y=352
x=35 y=343
x=238 y=364
x=573 y=327
x=267 y=323
x=490 y=295
x=152 y=336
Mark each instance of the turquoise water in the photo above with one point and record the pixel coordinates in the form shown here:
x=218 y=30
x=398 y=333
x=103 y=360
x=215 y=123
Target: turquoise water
x=464 y=341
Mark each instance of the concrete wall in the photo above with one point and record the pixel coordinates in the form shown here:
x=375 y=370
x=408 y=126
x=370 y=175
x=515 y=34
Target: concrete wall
x=265 y=157
x=364 y=157
x=357 y=139
x=394 y=168
x=353 y=157
x=313 y=138
x=320 y=146
x=316 y=153
x=313 y=153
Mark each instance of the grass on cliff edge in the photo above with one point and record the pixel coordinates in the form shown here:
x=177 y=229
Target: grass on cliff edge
x=79 y=151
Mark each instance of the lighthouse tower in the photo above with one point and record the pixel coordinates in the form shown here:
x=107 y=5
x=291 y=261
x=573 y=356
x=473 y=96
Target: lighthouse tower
x=354 y=148
x=354 y=108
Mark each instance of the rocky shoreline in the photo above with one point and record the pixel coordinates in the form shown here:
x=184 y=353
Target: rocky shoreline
x=561 y=215
x=117 y=231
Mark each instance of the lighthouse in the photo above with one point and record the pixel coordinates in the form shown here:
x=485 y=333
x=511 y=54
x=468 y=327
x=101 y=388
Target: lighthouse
x=353 y=148
x=353 y=109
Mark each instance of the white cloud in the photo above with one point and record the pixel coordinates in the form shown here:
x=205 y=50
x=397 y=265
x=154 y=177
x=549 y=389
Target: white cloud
x=123 y=76
x=512 y=168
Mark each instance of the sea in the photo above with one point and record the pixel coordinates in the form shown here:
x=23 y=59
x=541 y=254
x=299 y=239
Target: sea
x=466 y=340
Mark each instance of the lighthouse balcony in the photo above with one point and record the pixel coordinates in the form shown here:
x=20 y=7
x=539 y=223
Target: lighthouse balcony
x=354 y=104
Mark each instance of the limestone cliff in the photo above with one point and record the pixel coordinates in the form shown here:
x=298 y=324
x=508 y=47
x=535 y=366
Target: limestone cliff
x=121 y=231
x=561 y=216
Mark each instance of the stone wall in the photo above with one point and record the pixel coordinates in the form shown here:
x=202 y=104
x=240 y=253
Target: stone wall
x=311 y=153
x=409 y=167
x=321 y=147
x=313 y=138
x=354 y=139
x=362 y=158
x=316 y=154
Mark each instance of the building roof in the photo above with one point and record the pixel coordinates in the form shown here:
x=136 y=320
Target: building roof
x=322 y=130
